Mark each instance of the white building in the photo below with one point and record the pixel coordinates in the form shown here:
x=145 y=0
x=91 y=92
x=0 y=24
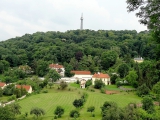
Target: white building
x=138 y=60
x=79 y=75
x=59 y=68
x=100 y=76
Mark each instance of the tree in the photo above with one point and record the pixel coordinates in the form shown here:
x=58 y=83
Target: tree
x=41 y=68
x=53 y=75
x=1 y=92
x=132 y=78
x=123 y=70
x=50 y=84
x=74 y=113
x=147 y=104
x=148 y=13
x=108 y=59
x=37 y=112
x=143 y=90
x=156 y=88
x=63 y=85
x=6 y=113
x=91 y=109
x=68 y=69
x=4 y=65
x=88 y=83
x=59 y=111
x=78 y=103
x=98 y=84
x=15 y=108
x=110 y=111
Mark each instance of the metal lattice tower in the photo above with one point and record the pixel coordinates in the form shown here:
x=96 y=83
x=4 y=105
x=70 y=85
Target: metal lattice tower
x=81 y=27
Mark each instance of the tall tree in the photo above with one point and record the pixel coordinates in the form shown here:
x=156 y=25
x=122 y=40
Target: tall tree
x=108 y=59
x=53 y=75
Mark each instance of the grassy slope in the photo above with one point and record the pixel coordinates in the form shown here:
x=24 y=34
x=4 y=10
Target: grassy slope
x=49 y=101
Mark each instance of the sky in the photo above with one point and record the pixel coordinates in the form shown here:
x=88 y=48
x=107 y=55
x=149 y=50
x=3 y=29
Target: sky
x=18 y=17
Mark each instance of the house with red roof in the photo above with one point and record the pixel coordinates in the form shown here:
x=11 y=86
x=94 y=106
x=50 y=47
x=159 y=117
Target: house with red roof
x=86 y=75
x=2 y=85
x=59 y=68
x=28 y=88
x=100 y=76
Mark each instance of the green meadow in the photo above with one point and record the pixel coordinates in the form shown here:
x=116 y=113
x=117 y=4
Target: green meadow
x=54 y=97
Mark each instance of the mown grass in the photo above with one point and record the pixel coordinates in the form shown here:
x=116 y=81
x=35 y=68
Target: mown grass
x=49 y=101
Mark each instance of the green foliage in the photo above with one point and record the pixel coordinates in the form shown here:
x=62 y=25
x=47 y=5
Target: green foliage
x=88 y=83
x=59 y=111
x=132 y=78
x=78 y=103
x=6 y=113
x=9 y=89
x=108 y=59
x=143 y=90
x=91 y=109
x=15 y=108
x=110 y=111
x=4 y=65
x=53 y=75
x=37 y=111
x=147 y=104
x=98 y=84
x=1 y=92
x=63 y=85
x=156 y=88
x=123 y=70
x=74 y=113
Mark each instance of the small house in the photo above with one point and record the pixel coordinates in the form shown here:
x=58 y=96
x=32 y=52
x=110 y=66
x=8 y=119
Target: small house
x=100 y=76
x=2 y=85
x=28 y=88
x=59 y=68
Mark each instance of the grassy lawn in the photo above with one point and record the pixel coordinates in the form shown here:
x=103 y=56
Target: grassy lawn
x=49 y=101
x=112 y=87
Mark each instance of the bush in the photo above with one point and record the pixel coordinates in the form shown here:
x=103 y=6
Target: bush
x=13 y=97
x=45 y=91
x=103 y=90
x=88 y=83
x=73 y=113
x=99 y=84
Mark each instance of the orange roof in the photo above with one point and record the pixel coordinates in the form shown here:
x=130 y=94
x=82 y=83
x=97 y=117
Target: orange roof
x=27 y=87
x=81 y=72
x=55 y=66
x=101 y=75
x=2 y=84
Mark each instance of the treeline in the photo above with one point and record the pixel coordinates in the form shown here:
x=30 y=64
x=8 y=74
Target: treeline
x=98 y=51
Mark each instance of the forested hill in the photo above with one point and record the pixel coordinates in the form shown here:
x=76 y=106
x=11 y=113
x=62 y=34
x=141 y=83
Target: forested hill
x=82 y=49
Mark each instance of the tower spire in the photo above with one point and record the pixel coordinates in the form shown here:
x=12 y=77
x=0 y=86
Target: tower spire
x=81 y=27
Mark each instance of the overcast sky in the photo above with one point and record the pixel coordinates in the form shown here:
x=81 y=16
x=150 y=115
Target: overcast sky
x=18 y=17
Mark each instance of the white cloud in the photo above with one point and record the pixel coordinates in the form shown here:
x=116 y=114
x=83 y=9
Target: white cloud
x=27 y=16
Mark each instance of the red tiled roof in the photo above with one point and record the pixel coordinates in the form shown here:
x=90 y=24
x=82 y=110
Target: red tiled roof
x=55 y=66
x=2 y=84
x=100 y=75
x=27 y=87
x=81 y=72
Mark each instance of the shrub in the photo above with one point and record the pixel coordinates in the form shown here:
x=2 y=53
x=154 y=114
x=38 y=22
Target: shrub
x=99 y=84
x=103 y=90
x=45 y=91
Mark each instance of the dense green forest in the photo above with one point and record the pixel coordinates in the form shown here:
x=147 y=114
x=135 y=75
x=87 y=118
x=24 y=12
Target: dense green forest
x=105 y=51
